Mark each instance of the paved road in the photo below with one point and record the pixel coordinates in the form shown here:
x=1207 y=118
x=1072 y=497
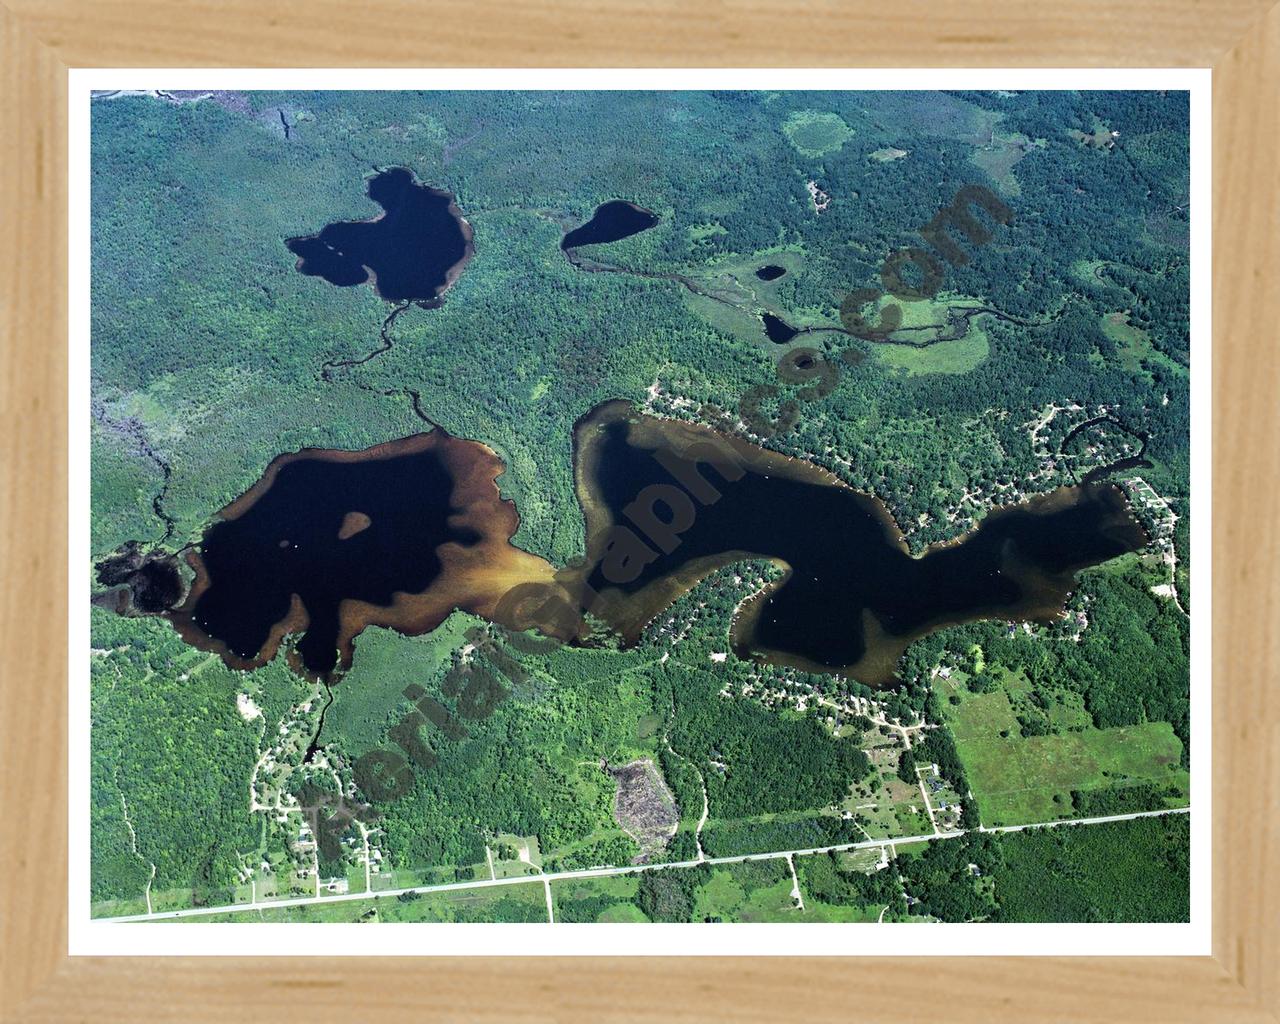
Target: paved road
x=554 y=876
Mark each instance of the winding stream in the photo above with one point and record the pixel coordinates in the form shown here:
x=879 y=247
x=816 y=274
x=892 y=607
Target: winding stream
x=132 y=428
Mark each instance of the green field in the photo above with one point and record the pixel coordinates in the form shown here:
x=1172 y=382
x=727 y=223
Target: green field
x=608 y=898
x=1019 y=779
x=916 y=317
x=1136 y=346
x=758 y=890
x=945 y=357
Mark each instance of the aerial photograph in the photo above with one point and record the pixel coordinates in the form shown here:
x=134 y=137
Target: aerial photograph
x=619 y=506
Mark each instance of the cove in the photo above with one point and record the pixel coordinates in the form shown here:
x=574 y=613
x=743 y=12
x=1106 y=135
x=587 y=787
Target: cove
x=328 y=542
x=149 y=581
x=852 y=597
x=414 y=250
x=612 y=221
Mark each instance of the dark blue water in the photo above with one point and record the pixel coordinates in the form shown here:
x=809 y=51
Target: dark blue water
x=847 y=560
x=612 y=221
x=410 y=250
x=779 y=331
x=287 y=542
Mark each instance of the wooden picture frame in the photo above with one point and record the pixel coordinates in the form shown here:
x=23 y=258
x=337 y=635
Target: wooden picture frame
x=42 y=39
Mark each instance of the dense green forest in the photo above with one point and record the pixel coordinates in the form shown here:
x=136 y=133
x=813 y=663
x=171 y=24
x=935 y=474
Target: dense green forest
x=1123 y=871
x=223 y=337
x=1119 y=871
x=211 y=355
x=169 y=745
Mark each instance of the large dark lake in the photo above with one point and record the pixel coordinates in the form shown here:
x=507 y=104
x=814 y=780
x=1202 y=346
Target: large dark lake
x=328 y=542
x=612 y=221
x=853 y=597
x=414 y=250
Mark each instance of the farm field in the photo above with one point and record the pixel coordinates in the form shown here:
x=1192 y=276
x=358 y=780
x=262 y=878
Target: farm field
x=1018 y=779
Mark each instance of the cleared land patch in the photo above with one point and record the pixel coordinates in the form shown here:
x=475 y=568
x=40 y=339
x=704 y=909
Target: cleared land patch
x=1135 y=345
x=597 y=899
x=1018 y=779
x=644 y=806
x=998 y=157
x=923 y=321
x=757 y=890
x=953 y=357
x=888 y=153
x=815 y=134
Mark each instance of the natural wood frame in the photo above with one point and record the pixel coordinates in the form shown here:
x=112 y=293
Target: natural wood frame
x=40 y=39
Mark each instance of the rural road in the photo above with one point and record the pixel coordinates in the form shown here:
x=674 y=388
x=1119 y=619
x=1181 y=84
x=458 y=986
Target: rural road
x=629 y=869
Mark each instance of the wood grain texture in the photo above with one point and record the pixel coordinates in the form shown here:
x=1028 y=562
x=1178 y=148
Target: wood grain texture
x=33 y=511
x=589 y=33
x=40 y=38
x=1246 y=550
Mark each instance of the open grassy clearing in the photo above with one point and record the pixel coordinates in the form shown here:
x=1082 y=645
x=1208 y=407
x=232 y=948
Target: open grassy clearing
x=1135 y=345
x=888 y=154
x=1018 y=779
x=739 y=269
x=950 y=357
x=597 y=899
x=1088 y=271
x=917 y=317
x=757 y=890
x=741 y=323
x=816 y=134
x=998 y=157
x=514 y=856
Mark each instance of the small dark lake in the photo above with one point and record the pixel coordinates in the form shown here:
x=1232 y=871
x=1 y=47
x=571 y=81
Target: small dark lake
x=612 y=221
x=414 y=250
x=770 y=272
x=779 y=331
x=854 y=597
x=328 y=542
